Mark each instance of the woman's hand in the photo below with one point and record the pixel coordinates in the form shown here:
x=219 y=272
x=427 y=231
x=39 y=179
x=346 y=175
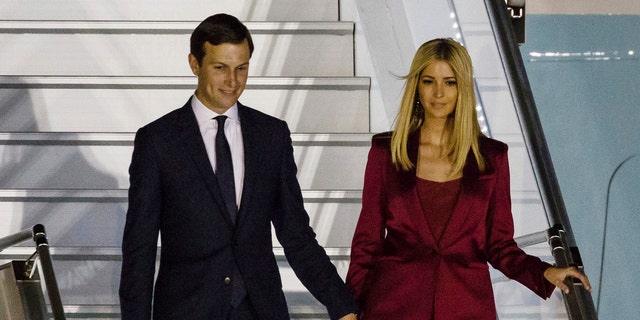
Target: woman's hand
x=350 y=316
x=557 y=276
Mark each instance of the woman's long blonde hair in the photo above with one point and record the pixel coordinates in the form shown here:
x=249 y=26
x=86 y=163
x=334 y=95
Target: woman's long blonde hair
x=464 y=126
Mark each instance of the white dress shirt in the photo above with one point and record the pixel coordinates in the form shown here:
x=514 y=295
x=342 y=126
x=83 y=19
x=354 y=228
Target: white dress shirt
x=232 y=130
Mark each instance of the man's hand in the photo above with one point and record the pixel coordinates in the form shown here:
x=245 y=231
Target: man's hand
x=350 y=316
x=557 y=275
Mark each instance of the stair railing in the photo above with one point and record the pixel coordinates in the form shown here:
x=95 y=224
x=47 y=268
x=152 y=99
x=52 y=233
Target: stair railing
x=39 y=236
x=564 y=249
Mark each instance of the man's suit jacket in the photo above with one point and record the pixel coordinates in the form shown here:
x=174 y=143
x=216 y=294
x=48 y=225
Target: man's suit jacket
x=174 y=192
x=399 y=271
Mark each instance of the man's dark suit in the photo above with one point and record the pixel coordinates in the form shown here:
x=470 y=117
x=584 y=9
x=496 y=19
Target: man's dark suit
x=174 y=191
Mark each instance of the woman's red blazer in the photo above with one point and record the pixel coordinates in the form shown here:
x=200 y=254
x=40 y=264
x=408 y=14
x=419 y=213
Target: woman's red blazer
x=399 y=271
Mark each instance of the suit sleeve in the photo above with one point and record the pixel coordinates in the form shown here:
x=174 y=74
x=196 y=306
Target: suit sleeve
x=140 y=238
x=369 y=234
x=307 y=258
x=503 y=252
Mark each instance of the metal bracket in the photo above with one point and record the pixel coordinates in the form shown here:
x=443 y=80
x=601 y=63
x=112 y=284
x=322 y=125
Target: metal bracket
x=516 y=8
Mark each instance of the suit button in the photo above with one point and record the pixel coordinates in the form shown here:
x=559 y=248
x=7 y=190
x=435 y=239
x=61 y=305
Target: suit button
x=227 y=280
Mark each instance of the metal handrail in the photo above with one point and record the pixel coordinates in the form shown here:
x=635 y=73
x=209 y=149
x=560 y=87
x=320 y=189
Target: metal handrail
x=565 y=251
x=39 y=236
x=578 y=301
x=16 y=238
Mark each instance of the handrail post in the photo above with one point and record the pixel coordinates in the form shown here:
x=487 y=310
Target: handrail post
x=42 y=246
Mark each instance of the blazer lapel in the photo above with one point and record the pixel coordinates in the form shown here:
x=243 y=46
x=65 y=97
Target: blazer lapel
x=194 y=147
x=408 y=185
x=473 y=183
x=459 y=215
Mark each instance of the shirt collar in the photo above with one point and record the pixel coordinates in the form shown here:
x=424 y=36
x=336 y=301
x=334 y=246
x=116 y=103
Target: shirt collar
x=204 y=114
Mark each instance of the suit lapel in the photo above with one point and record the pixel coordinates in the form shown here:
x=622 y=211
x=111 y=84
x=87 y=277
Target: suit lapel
x=194 y=148
x=250 y=141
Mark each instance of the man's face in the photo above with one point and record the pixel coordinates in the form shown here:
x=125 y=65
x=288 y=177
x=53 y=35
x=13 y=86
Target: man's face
x=222 y=74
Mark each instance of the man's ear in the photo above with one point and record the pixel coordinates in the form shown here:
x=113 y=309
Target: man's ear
x=193 y=63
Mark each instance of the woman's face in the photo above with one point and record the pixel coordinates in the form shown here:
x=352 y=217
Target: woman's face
x=438 y=90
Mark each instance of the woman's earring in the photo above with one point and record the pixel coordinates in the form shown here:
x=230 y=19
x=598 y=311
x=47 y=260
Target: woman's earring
x=418 y=110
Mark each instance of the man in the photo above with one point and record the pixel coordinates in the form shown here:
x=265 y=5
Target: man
x=215 y=218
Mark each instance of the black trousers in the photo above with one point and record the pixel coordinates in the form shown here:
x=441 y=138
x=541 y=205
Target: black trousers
x=244 y=311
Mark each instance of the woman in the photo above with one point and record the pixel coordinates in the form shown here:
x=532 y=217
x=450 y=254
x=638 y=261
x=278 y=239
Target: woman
x=436 y=205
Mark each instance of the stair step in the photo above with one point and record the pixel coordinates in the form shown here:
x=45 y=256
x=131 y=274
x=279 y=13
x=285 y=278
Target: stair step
x=91 y=276
x=124 y=104
x=83 y=253
x=153 y=10
x=80 y=253
x=151 y=48
x=88 y=278
x=120 y=195
x=312 y=311
x=96 y=218
x=101 y=160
